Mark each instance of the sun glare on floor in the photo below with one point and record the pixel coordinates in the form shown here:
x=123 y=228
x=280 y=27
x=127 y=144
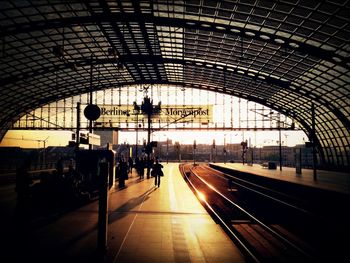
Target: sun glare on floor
x=201 y=196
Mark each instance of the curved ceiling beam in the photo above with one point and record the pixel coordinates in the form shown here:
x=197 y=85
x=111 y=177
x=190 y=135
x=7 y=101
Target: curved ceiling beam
x=304 y=48
x=17 y=115
x=153 y=59
x=52 y=98
x=83 y=62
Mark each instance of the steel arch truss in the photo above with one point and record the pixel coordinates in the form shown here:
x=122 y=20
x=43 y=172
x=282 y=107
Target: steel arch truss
x=286 y=55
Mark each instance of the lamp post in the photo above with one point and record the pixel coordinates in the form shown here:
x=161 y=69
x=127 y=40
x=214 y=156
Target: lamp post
x=44 y=154
x=194 y=152
x=224 y=149
x=167 y=150
x=177 y=147
x=78 y=128
x=244 y=145
x=280 y=147
x=214 y=159
x=148 y=109
x=137 y=137
x=313 y=138
x=136 y=112
x=280 y=140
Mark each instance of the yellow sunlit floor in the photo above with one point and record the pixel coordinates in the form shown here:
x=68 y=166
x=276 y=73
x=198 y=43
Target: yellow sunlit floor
x=146 y=224
x=166 y=224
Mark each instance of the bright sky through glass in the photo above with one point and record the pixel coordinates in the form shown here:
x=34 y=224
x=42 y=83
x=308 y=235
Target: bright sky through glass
x=228 y=111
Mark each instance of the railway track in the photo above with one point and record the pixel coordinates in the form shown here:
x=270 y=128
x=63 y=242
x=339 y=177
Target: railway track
x=267 y=225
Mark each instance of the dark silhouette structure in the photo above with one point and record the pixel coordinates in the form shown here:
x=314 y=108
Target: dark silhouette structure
x=293 y=57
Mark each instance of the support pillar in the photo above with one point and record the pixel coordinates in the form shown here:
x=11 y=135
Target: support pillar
x=280 y=146
x=77 y=137
x=149 y=145
x=103 y=210
x=90 y=93
x=313 y=138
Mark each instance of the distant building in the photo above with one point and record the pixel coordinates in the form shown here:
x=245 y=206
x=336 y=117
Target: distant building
x=108 y=136
x=306 y=155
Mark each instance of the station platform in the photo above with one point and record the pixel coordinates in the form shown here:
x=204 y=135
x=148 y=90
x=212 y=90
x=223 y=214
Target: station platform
x=146 y=224
x=326 y=180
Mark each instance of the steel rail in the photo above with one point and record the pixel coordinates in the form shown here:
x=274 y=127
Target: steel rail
x=241 y=243
x=273 y=232
x=263 y=194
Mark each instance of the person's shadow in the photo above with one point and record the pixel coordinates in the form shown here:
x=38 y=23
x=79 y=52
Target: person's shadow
x=122 y=210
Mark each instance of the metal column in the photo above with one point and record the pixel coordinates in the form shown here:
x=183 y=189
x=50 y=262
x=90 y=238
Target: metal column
x=103 y=210
x=313 y=137
x=77 y=138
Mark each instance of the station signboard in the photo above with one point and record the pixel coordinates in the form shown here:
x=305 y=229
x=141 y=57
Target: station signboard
x=94 y=139
x=169 y=113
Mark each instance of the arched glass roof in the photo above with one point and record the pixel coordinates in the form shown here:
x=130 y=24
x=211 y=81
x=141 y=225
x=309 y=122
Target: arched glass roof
x=287 y=55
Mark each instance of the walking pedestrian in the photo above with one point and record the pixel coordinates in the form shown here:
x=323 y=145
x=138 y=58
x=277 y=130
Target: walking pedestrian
x=130 y=165
x=23 y=185
x=123 y=172
x=157 y=169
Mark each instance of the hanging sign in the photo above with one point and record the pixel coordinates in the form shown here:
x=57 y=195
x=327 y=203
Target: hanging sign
x=92 y=112
x=169 y=113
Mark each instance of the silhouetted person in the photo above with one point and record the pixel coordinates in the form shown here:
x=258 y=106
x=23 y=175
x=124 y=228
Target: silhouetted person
x=157 y=170
x=123 y=172
x=23 y=182
x=60 y=166
x=137 y=160
x=140 y=166
x=71 y=166
x=130 y=164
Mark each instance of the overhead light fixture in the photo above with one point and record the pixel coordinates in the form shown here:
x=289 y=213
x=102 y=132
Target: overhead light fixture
x=336 y=59
x=190 y=23
x=234 y=30
x=248 y=33
x=72 y=66
x=293 y=44
x=120 y=65
x=265 y=37
x=220 y=28
x=58 y=51
x=112 y=52
x=279 y=41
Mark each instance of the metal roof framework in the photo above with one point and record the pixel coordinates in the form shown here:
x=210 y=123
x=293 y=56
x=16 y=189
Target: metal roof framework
x=287 y=55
